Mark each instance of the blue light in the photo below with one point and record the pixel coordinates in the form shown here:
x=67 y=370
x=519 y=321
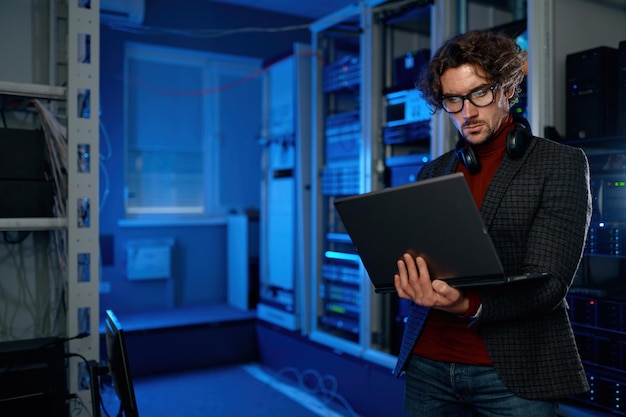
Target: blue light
x=342 y=256
x=522 y=40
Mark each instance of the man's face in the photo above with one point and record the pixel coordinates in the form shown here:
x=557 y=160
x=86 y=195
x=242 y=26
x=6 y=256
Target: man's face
x=476 y=124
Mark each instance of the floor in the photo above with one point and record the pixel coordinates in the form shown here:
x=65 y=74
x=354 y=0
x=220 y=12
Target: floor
x=241 y=389
x=246 y=390
x=229 y=391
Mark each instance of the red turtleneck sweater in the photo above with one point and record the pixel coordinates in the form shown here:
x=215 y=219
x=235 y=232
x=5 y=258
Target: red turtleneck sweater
x=446 y=337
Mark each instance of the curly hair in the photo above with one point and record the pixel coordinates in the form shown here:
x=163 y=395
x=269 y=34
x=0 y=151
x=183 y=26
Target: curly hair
x=503 y=61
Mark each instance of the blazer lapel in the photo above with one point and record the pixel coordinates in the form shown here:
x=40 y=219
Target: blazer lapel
x=499 y=185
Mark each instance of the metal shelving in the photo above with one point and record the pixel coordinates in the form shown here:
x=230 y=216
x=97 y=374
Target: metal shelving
x=43 y=223
x=81 y=237
x=32 y=90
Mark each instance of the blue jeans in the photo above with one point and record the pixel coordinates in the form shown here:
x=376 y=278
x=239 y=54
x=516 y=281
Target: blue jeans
x=455 y=390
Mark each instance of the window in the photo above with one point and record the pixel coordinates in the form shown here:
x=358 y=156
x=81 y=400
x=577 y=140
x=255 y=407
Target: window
x=176 y=121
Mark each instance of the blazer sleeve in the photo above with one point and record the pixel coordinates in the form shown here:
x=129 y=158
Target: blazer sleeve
x=540 y=225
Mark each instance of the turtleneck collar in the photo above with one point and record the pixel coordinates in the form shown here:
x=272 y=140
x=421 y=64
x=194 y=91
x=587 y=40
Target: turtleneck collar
x=490 y=155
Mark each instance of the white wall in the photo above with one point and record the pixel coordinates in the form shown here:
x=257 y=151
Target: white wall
x=16 y=41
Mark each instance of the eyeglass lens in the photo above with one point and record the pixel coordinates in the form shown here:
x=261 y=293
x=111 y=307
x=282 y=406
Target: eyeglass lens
x=479 y=98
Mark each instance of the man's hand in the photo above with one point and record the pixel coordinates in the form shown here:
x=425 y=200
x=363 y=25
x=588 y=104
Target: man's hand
x=413 y=283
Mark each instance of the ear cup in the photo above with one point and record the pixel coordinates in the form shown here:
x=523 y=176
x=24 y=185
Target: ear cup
x=518 y=139
x=467 y=156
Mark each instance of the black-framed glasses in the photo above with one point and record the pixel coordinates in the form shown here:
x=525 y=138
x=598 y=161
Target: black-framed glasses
x=481 y=97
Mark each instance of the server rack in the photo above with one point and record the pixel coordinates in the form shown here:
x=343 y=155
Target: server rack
x=338 y=289
x=597 y=300
x=405 y=134
x=349 y=157
x=284 y=188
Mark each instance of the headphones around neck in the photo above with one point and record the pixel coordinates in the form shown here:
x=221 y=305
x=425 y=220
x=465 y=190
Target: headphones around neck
x=517 y=141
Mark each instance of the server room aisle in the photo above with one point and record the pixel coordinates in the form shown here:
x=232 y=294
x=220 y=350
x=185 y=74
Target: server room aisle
x=240 y=390
x=244 y=390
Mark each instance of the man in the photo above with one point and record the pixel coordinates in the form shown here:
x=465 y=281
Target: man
x=504 y=350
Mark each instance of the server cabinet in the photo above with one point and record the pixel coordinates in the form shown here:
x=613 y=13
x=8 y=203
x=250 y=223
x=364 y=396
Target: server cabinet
x=338 y=168
x=353 y=106
x=285 y=187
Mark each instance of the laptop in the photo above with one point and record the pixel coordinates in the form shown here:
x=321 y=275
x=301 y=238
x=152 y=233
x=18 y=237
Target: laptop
x=436 y=218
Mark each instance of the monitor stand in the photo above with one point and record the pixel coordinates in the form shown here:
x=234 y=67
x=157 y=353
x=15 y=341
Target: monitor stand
x=95 y=371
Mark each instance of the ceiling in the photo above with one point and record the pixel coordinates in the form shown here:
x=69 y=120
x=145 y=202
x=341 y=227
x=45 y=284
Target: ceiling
x=318 y=9
x=312 y=10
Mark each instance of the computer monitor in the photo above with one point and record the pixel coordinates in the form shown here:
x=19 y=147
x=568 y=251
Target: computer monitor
x=119 y=368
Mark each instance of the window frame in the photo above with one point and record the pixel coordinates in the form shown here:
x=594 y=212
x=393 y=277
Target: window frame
x=214 y=67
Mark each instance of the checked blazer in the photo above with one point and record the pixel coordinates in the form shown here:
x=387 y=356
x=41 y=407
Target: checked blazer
x=537 y=211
